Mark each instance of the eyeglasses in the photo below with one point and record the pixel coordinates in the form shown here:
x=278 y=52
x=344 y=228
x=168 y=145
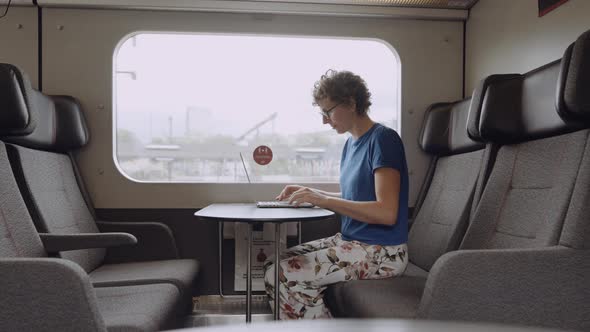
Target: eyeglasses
x=326 y=114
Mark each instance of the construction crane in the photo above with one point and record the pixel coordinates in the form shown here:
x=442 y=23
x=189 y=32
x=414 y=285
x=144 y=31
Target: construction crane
x=257 y=126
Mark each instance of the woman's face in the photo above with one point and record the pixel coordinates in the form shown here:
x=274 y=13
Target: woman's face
x=339 y=116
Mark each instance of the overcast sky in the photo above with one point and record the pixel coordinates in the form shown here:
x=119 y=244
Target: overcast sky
x=230 y=83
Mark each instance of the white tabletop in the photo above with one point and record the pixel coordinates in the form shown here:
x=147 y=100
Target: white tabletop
x=248 y=212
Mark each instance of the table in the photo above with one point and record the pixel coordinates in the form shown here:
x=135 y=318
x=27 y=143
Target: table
x=373 y=325
x=249 y=213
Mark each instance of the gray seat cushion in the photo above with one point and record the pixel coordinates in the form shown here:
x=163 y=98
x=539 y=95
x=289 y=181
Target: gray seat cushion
x=138 y=308
x=395 y=297
x=178 y=272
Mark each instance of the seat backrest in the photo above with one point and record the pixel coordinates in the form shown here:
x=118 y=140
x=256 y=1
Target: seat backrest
x=527 y=196
x=18 y=237
x=441 y=221
x=45 y=173
x=573 y=102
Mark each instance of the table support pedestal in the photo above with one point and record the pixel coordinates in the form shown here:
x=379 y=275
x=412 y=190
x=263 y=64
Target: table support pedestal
x=249 y=277
x=277 y=268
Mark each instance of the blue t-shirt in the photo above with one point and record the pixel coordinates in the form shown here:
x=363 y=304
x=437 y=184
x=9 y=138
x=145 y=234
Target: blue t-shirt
x=379 y=147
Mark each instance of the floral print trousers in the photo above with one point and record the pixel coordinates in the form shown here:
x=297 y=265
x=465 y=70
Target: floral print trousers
x=307 y=269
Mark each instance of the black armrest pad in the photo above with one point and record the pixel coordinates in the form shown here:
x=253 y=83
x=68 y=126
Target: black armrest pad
x=65 y=242
x=155 y=242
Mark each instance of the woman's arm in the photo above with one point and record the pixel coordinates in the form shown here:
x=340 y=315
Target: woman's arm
x=292 y=188
x=382 y=211
x=329 y=193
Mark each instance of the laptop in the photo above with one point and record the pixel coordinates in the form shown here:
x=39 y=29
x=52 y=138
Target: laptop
x=273 y=204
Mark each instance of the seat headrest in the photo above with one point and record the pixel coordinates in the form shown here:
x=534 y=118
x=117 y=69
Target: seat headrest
x=444 y=129
x=60 y=124
x=513 y=108
x=573 y=86
x=72 y=131
x=16 y=95
x=477 y=101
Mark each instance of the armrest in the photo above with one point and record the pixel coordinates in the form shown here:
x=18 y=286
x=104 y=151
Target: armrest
x=47 y=294
x=155 y=242
x=542 y=287
x=65 y=242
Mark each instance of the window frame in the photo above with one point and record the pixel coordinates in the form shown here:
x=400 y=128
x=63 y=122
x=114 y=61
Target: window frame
x=125 y=38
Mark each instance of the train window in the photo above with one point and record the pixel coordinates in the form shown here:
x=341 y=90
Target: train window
x=188 y=106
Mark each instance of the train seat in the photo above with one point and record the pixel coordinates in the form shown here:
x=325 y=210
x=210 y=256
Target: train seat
x=45 y=169
x=439 y=224
x=526 y=246
x=40 y=293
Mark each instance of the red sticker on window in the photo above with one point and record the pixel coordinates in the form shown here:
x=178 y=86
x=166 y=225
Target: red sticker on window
x=262 y=155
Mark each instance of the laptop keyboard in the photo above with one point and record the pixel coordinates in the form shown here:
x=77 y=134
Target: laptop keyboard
x=281 y=204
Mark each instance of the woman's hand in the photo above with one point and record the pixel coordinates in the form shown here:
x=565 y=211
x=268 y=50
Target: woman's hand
x=307 y=195
x=288 y=191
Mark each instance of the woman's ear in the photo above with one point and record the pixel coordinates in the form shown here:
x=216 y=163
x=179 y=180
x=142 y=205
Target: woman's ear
x=352 y=104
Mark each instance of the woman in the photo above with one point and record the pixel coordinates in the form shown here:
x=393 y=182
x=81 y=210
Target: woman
x=373 y=203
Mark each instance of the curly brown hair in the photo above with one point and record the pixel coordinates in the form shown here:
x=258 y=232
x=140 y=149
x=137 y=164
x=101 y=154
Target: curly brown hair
x=341 y=87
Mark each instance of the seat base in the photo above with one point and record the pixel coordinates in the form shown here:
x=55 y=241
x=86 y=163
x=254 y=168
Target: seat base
x=386 y=298
x=138 y=308
x=181 y=273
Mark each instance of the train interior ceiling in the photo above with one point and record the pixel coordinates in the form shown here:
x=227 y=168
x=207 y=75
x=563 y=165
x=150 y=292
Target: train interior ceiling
x=120 y=120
